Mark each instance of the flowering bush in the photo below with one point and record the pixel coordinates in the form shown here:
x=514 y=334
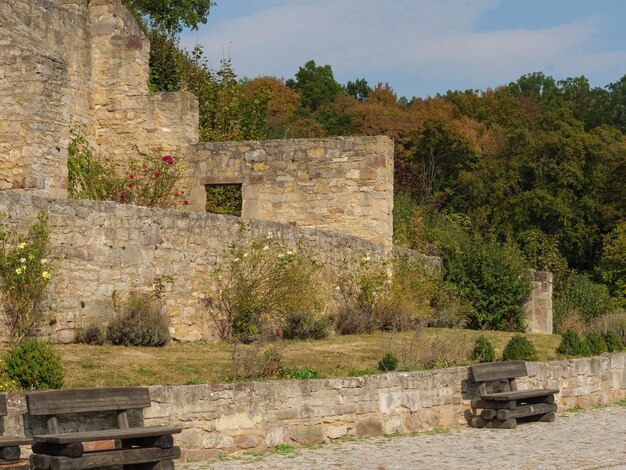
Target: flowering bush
x=383 y=295
x=24 y=275
x=150 y=181
x=260 y=285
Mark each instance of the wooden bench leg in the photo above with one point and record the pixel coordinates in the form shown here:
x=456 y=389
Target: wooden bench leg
x=493 y=423
x=9 y=454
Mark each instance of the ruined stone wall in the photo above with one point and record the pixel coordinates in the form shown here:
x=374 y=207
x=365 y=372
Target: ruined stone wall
x=43 y=62
x=224 y=418
x=343 y=184
x=101 y=247
x=65 y=63
x=539 y=306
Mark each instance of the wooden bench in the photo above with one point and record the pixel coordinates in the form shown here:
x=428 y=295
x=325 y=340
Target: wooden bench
x=150 y=447
x=502 y=404
x=10 y=445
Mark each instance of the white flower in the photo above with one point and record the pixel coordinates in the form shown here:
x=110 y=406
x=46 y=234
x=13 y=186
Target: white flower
x=269 y=236
x=281 y=256
x=337 y=288
x=23 y=267
x=289 y=252
x=245 y=255
x=44 y=261
x=265 y=248
x=236 y=260
x=22 y=260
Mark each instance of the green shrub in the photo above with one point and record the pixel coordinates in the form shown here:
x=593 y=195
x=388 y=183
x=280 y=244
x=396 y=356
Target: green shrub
x=483 y=350
x=612 y=267
x=493 y=279
x=613 y=343
x=34 y=365
x=519 y=348
x=584 y=297
x=303 y=326
x=596 y=343
x=139 y=320
x=24 y=276
x=573 y=345
x=91 y=334
x=261 y=285
x=388 y=363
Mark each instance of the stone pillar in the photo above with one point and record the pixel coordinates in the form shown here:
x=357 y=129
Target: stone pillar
x=539 y=305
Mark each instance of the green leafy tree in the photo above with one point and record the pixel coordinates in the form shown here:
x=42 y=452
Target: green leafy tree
x=358 y=89
x=171 y=15
x=612 y=267
x=316 y=85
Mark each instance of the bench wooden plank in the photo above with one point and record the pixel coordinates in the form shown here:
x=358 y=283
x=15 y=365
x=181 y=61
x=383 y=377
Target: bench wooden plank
x=526 y=410
x=493 y=423
x=520 y=394
x=10 y=441
x=3 y=406
x=498 y=370
x=478 y=403
x=106 y=434
x=105 y=458
x=53 y=402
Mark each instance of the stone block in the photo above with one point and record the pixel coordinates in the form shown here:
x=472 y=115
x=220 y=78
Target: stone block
x=307 y=434
x=370 y=426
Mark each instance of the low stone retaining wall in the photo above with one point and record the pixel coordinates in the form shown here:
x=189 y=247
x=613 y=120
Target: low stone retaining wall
x=224 y=418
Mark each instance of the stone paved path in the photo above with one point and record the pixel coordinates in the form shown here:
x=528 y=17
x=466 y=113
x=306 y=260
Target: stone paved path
x=587 y=440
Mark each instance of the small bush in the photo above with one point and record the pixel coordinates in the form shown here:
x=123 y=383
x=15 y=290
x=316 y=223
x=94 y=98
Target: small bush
x=596 y=343
x=34 y=365
x=91 y=334
x=7 y=384
x=304 y=373
x=519 y=348
x=139 y=320
x=573 y=345
x=388 y=363
x=483 y=350
x=613 y=343
x=303 y=326
x=254 y=361
x=451 y=311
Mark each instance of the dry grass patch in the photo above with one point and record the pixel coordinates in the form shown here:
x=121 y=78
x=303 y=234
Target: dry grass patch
x=203 y=362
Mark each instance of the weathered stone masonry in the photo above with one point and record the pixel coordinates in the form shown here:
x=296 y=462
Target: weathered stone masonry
x=223 y=418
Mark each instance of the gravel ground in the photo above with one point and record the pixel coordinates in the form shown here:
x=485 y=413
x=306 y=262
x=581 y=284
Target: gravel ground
x=586 y=440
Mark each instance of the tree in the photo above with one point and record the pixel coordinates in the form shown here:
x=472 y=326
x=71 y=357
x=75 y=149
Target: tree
x=316 y=85
x=359 y=89
x=171 y=16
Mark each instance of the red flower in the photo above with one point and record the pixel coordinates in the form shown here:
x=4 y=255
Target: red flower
x=167 y=159
x=130 y=185
x=122 y=196
x=156 y=173
x=131 y=177
x=176 y=195
x=186 y=202
x=182 y=192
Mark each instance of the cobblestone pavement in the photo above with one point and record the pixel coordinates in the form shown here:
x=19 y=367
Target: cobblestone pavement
x=587 y=440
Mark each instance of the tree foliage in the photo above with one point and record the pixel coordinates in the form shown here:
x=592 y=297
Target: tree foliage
x=171 y=16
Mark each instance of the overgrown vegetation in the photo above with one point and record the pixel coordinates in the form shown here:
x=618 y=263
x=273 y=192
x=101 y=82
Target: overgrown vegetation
x=150 y=181
x=24 y=276
x=264 y=286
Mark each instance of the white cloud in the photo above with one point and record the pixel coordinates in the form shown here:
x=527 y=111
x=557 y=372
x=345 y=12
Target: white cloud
x=422 y=39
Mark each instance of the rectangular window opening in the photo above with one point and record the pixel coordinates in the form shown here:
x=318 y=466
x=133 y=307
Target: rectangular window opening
x=224 y=199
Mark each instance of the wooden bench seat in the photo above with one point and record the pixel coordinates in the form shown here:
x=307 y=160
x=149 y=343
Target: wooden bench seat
x=502 y=404
x=137 y=448
x=10 y=445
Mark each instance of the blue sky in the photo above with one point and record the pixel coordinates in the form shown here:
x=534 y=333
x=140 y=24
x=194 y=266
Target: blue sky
x=420 y=47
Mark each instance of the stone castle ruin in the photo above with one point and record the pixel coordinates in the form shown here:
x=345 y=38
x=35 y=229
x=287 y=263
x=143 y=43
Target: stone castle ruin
x=65 y=63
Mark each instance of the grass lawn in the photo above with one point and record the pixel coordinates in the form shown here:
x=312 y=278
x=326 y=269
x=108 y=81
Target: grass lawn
x=203 y=362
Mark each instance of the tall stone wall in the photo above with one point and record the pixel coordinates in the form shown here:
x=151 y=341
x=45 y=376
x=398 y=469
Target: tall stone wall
x=223 y=418
x=101 y=247
x=343 y=184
